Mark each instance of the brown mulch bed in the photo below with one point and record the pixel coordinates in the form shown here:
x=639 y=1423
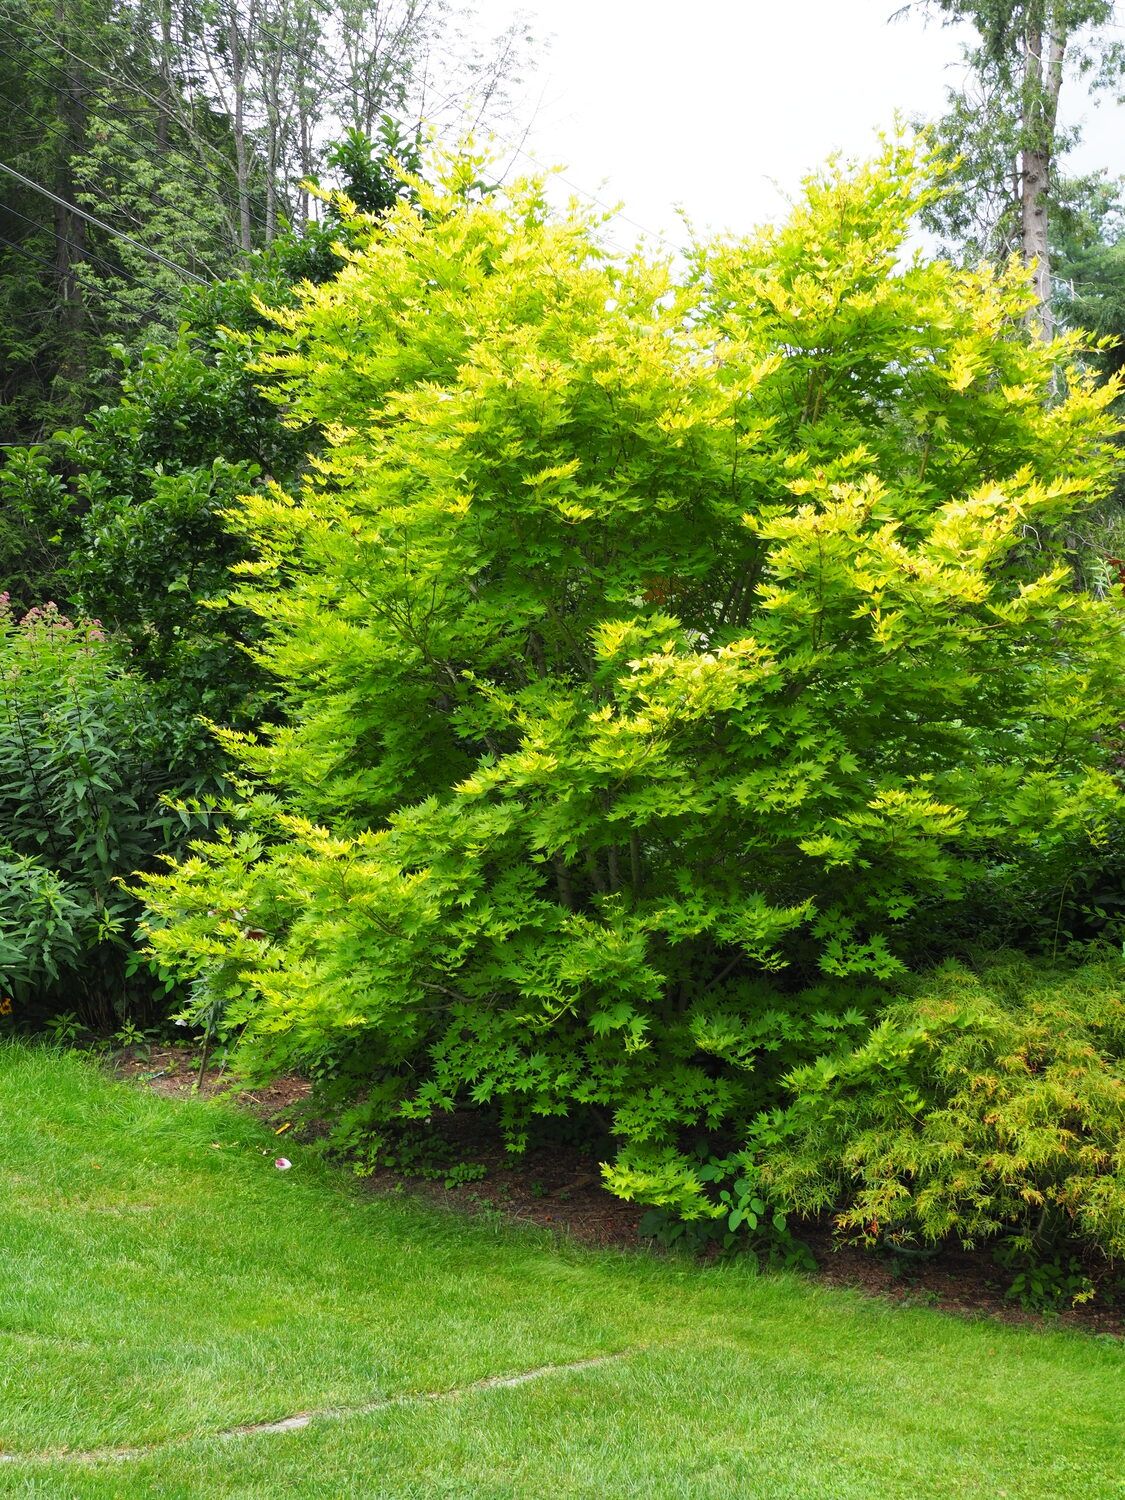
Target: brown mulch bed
x=174 y=1072
x=559 y=1188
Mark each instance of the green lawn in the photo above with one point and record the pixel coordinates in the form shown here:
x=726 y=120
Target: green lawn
x=161 y=1283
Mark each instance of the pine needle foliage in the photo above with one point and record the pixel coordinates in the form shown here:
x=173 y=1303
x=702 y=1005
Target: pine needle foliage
x=652 y=646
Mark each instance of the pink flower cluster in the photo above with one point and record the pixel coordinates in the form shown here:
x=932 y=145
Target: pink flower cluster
x=49 y=617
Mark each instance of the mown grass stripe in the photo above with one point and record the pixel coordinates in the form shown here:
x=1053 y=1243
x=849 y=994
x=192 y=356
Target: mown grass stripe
x=303 y=1419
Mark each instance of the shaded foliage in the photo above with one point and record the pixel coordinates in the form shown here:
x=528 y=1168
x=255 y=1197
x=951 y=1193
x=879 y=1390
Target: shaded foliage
x=86 y=758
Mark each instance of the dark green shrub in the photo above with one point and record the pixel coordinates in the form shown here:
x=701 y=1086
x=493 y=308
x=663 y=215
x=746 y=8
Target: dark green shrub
x=44 y=921
x=37 y=527
x=85 y=760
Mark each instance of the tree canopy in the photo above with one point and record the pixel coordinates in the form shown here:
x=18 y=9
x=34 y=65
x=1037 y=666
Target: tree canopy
x=1012 y=193
x=661 y=656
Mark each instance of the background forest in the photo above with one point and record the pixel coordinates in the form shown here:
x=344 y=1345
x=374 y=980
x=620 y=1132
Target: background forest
x=180 y=140
x=672 y=701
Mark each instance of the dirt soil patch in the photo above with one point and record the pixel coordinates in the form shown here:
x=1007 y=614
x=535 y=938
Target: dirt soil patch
x=560 y=1188
x=174 y=1071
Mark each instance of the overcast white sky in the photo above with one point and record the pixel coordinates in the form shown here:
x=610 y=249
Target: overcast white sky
x=721 y=106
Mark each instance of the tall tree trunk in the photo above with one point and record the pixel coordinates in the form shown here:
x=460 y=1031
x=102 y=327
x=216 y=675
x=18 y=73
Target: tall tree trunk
x=164 y=113
x=1041 y=86
x=241 y=151
x=274 y=43
x=307 y=88
x=306 y=164
x=271 y=199
x=1036 y=251
x=70 y=229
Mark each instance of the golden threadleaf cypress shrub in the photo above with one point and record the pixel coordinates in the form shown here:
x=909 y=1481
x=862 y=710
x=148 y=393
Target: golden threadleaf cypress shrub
x=980 y=1105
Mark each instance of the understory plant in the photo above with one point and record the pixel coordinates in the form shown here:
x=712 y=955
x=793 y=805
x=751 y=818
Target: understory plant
x=654 y=648
x=86 y=760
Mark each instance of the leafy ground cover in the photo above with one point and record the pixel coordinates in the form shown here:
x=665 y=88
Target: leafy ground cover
x=162 y=1284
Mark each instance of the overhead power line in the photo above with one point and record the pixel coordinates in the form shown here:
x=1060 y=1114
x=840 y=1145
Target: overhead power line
x=205 y=182
x=101 y=224
x=27 y=254
x=6 y=208
x=114 y=76
x=50 y=265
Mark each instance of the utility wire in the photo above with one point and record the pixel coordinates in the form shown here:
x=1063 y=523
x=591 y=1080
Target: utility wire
x=100 y=224
x=191 y=170
x=101 y=198
x=441 y=54
x=116 y=78
x=6 y=208
x=27 y=254
x=520 y=150
x=41 y=260
x=133 y=86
